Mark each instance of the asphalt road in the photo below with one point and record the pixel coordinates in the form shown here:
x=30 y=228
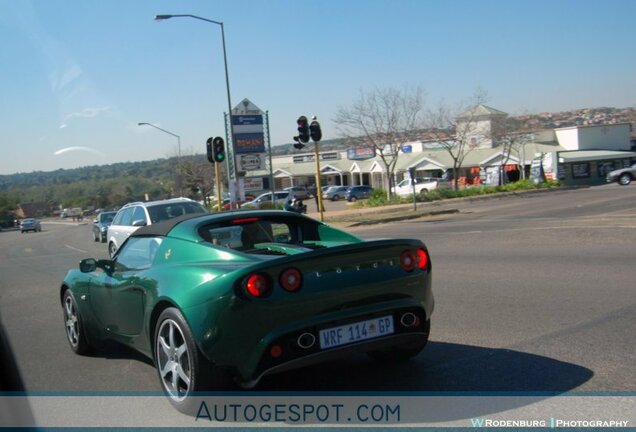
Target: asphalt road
x=533 y=293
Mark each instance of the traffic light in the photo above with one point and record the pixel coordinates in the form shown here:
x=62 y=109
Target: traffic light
x=298 y=145
x=208 y=149
x=218 y=149
x=303 y=129
x=215 y=149
x=314 y=130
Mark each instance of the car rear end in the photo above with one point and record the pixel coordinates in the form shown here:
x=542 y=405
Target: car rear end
x=302 y=309
x=29 y=225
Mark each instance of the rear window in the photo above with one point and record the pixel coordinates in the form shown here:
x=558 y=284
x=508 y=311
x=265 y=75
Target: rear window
x=163 y=212
x=246 y=234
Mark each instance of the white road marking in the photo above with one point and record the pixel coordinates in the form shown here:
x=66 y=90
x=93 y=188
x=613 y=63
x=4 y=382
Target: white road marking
x=76 y=249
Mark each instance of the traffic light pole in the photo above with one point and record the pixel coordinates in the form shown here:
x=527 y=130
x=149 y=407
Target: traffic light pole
x=219 y=196
x=318 y=187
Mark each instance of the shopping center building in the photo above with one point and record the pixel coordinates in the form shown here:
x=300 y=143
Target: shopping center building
x=575 y=155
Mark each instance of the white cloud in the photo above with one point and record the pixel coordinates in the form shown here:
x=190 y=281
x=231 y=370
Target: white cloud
x=79 y=148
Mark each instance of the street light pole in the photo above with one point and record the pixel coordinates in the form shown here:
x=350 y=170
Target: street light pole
x=178 y=152
x=168 y=132
x=227 y=80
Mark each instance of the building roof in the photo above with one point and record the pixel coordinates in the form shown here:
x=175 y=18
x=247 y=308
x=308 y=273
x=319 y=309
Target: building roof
x=481 y=110
x=589 y=155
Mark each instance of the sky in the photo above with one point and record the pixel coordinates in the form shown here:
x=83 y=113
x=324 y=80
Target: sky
x=77 y=76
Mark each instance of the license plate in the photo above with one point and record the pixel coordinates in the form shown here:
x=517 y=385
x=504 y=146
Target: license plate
x=354 y=332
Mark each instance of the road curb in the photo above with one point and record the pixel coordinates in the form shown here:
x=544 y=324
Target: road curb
x=404 y=217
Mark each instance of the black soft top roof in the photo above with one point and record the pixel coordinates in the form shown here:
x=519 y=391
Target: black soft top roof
x=164 y=227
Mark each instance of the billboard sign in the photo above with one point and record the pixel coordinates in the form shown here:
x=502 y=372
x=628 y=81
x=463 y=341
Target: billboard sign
x=250 y=161
x=247 y=125
x=360 y=153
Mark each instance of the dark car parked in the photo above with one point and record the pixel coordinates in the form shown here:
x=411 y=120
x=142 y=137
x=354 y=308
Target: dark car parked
x=101 y=224
x=358 y=192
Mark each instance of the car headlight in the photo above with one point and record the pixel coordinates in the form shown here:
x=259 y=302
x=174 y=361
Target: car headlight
x=103 y=229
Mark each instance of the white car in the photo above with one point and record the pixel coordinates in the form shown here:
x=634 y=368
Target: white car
x=422 y=185
x=266 y=199
x=134 y=215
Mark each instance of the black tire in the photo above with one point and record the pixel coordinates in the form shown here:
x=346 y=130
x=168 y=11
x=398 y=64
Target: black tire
x=74 y=325
x=112 y=249
x=178 y=360
x=353 y=199
x=402 y=352
x=624 y=179
x=96 y=237
x=335 y=198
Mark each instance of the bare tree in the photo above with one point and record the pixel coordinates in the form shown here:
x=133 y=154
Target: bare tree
x=456 y=130
x=197 y=175
x=385 y=120
x=512 y=135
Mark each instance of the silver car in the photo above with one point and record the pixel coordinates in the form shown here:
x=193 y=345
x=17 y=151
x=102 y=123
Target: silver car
x=133 y=216
x=334 y=193
x=265 y=200
x=30 y=224
x=622 y=176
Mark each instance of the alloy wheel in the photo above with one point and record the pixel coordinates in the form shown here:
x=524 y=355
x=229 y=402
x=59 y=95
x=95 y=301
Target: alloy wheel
x=173 y=360
x=72 y=322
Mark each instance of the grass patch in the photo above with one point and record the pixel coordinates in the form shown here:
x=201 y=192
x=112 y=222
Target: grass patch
x=379 y=197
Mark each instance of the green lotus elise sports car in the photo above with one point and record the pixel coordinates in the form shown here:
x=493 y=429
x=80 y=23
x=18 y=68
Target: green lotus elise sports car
x=248 y=293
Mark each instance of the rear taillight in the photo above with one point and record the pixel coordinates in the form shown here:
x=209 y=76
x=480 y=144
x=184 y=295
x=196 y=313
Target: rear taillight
x=291 y=279
x=407 y=261
x=411 y=259
x=422 y=259
x=258 y=285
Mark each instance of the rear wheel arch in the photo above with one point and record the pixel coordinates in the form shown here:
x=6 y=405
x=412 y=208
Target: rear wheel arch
x=154 y=317
x=63 y=289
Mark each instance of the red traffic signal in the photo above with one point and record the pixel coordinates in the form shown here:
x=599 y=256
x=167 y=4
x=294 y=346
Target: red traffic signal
x=303 y=129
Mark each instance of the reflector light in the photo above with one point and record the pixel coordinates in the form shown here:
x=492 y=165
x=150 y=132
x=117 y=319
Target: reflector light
x=275 y=351
x=257 y=285
x=291 y=279
x=407 y=261
x=422 y=259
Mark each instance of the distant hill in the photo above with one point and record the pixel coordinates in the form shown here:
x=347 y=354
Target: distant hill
x=115 y=184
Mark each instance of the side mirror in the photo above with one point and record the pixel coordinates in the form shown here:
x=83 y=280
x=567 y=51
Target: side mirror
x=139 y=223
x=88 y=265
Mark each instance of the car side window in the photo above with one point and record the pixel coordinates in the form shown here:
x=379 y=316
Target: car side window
x=138 y=215
x=117 y=218
x=137 y=253
x=126 y=217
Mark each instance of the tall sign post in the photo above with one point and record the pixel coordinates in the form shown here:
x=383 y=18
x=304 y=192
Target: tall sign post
x=215 y=150
x=305 y=131
x=249 y=140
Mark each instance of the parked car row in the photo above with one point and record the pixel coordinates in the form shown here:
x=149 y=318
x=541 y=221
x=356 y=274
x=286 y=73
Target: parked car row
x=350 y=193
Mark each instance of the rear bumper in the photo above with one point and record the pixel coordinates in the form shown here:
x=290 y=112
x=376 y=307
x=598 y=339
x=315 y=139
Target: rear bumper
x=297 y=353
